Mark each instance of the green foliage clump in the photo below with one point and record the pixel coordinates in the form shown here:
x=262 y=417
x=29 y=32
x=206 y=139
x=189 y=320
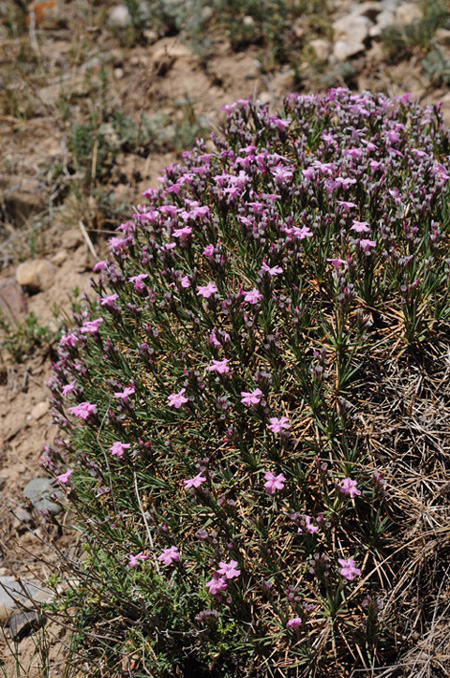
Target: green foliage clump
x=219 y=394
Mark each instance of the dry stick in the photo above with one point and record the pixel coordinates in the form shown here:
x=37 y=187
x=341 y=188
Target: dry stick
x=88 y=240
x=149 y=534
x=32 y=32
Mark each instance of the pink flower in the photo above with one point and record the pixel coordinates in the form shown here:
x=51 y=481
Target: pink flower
x=118 y=448
x=348 y=569
x=68 y=340
x=64 y=477
x=83 y=410
x=337 y=262
x=116 y=244
x=274 y=482
x=134 y=560
x=109 y=300
x=366 y=245
x=274 y=270
x=346 y=204
x=68 y=388
x=278 y=424
x=194 y=482
x=219 y=366
x=185 y=282
x=177 y=399
x=169 y=556
x=228 y=570
x=360 y=226
x=100 y=266
x=184 y=232
x=350 y=487
x=253 y=296
x=123 y=395
x=294 y=623
x=137 y=280
x=216 y=584
x=91 y=326
x=302 y=233
x=206 y=291
x=252 y=398
x=208 y=251
x=308 y=526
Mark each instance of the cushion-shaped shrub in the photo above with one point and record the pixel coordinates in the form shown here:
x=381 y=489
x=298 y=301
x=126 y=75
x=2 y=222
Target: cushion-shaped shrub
x=234 y=512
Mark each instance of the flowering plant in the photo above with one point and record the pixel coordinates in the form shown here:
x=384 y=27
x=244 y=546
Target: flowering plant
x=210 y=389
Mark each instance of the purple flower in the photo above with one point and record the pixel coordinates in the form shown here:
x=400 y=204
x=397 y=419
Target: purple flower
x=118 y=449
x=169 y=556
x=366 y=245
x=277 y=425
x=219 y=366
x=338 y=262
x=360 y=226
x=206 y=291
x=346 y=204
x=216 y=584
x=294 y=623
x=134 y=560
x=348 y=569
x=116 y=244
x=68 y=340
x=109 y=300
x=252 y=398
x=184 y=232
x=253 y=296
x=307 y=526
x=100 y=266
x=194 y=482
x=64 y=477
x=123 y=395
x=185 y=282
x=208 y=251
x=350 y=487
x=228 y=570
x=177 y=399
x=271 y=270
x=137 y=280
x=83 y=410
x=91 y=326
x=68 y=388
x=274 y=482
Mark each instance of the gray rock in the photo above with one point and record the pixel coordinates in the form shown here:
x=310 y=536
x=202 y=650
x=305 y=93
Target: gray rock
x=13 y=302
x=384 y=19
x=72 y=239
x=343 y=50
x=36 y=275
x=40 y=492
x=408 y=12
x=389 y=5
x=442 y=37
x=321 y=49
x=120 y=17
x=14 y=593
x=22 y=624
x=150 y=36
x=40 y=409
x=59 y=257
x=352 y=29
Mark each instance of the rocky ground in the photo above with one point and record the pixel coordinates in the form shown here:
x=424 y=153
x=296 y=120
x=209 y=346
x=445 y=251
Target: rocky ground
x=94 y=100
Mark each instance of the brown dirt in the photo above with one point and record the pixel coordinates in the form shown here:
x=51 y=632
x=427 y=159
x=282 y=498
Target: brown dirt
x=164 y=78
